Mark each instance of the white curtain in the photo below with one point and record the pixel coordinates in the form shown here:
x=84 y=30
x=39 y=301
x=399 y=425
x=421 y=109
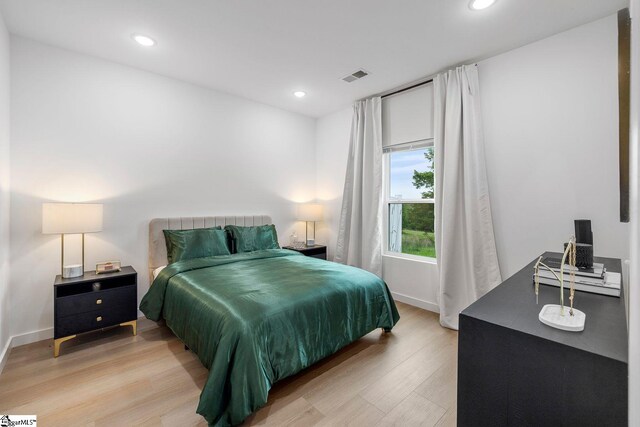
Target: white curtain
x=360 y=233
x=465 y=243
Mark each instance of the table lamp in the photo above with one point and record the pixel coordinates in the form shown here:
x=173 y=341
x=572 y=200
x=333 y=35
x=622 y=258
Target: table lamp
x=71 y=218
x=309 y=212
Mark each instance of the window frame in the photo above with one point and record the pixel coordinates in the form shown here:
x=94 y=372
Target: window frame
x=388 y=201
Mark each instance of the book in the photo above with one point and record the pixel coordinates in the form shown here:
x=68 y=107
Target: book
x=610 y=280
x=611 y=288
x=613 y=279
x=583 y=279
x=597 y=270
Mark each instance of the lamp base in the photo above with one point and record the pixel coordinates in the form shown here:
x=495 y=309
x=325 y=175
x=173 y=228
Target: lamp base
x=73 y=270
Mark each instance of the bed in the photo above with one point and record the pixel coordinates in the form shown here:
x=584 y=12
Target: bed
x=255 y=318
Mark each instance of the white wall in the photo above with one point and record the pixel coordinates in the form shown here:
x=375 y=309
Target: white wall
x=633 y=296
x=84 y=129
x=412 y=282
x=544 y=104
x=4 y=191
x=551 y=131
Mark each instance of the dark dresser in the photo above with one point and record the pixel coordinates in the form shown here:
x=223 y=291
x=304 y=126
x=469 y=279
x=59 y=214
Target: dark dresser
x=515 y=371
x=315 y=251
x=94 y=301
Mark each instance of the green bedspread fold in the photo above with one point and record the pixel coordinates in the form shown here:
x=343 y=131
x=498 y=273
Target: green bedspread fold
x=255 y=318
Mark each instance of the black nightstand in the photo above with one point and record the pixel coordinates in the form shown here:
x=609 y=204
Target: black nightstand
x=94 y=301
x=315 y=251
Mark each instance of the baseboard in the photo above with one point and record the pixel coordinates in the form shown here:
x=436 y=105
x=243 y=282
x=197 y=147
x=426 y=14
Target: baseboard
x=31 y=337
x=22 y=339
x=5 y=354
x=426 y=305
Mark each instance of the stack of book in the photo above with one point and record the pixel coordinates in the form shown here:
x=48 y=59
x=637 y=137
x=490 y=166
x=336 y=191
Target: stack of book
x=596 y=280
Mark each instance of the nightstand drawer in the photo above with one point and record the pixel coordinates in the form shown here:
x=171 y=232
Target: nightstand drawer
x=83 y=322
x=96 y=300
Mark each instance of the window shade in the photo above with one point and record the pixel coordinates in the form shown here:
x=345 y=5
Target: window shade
x=408 y=146
x=408 y=116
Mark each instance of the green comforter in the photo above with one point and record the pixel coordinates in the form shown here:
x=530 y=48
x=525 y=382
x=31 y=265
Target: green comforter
x=255 y=318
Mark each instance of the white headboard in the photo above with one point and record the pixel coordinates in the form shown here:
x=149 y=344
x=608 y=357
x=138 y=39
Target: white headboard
x=158 y=247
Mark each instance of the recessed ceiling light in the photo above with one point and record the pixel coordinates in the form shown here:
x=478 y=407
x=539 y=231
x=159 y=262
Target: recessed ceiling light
x=480 y=4
x=145 y=41
x=299 y=94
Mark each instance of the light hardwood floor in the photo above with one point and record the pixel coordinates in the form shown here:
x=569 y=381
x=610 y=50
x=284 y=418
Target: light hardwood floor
x=111 y=378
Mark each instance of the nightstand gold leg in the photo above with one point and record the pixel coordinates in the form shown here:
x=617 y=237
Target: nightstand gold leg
x=133 y=324
x=57 y=342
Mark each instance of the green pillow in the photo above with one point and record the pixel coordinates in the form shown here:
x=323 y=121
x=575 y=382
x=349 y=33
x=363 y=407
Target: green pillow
x=196 y=243
x=249 y=239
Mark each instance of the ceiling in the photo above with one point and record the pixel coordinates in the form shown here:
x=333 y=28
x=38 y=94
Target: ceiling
x=265 y=50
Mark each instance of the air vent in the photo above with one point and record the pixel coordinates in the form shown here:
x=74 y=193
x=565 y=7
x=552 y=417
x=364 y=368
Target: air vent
x=355 y=76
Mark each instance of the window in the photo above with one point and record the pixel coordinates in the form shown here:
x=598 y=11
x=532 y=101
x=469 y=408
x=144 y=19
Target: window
x=409 y=193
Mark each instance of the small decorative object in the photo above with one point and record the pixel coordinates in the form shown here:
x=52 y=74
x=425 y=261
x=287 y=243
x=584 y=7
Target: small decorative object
x=71 y=218
x=584 y=255
x=557 y=316
x=310 y=212
x=107 y=267
x=584 y=241
x=583 y=231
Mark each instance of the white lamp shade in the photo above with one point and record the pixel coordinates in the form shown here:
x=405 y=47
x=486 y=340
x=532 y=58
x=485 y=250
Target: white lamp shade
x=71 y=218
x=309 y=212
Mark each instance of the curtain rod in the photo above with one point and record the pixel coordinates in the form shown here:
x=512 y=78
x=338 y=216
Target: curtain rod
x=395 y=92
x=413 y=86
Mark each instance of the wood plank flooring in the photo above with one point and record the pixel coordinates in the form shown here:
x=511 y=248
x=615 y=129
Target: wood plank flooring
x=112 y=378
